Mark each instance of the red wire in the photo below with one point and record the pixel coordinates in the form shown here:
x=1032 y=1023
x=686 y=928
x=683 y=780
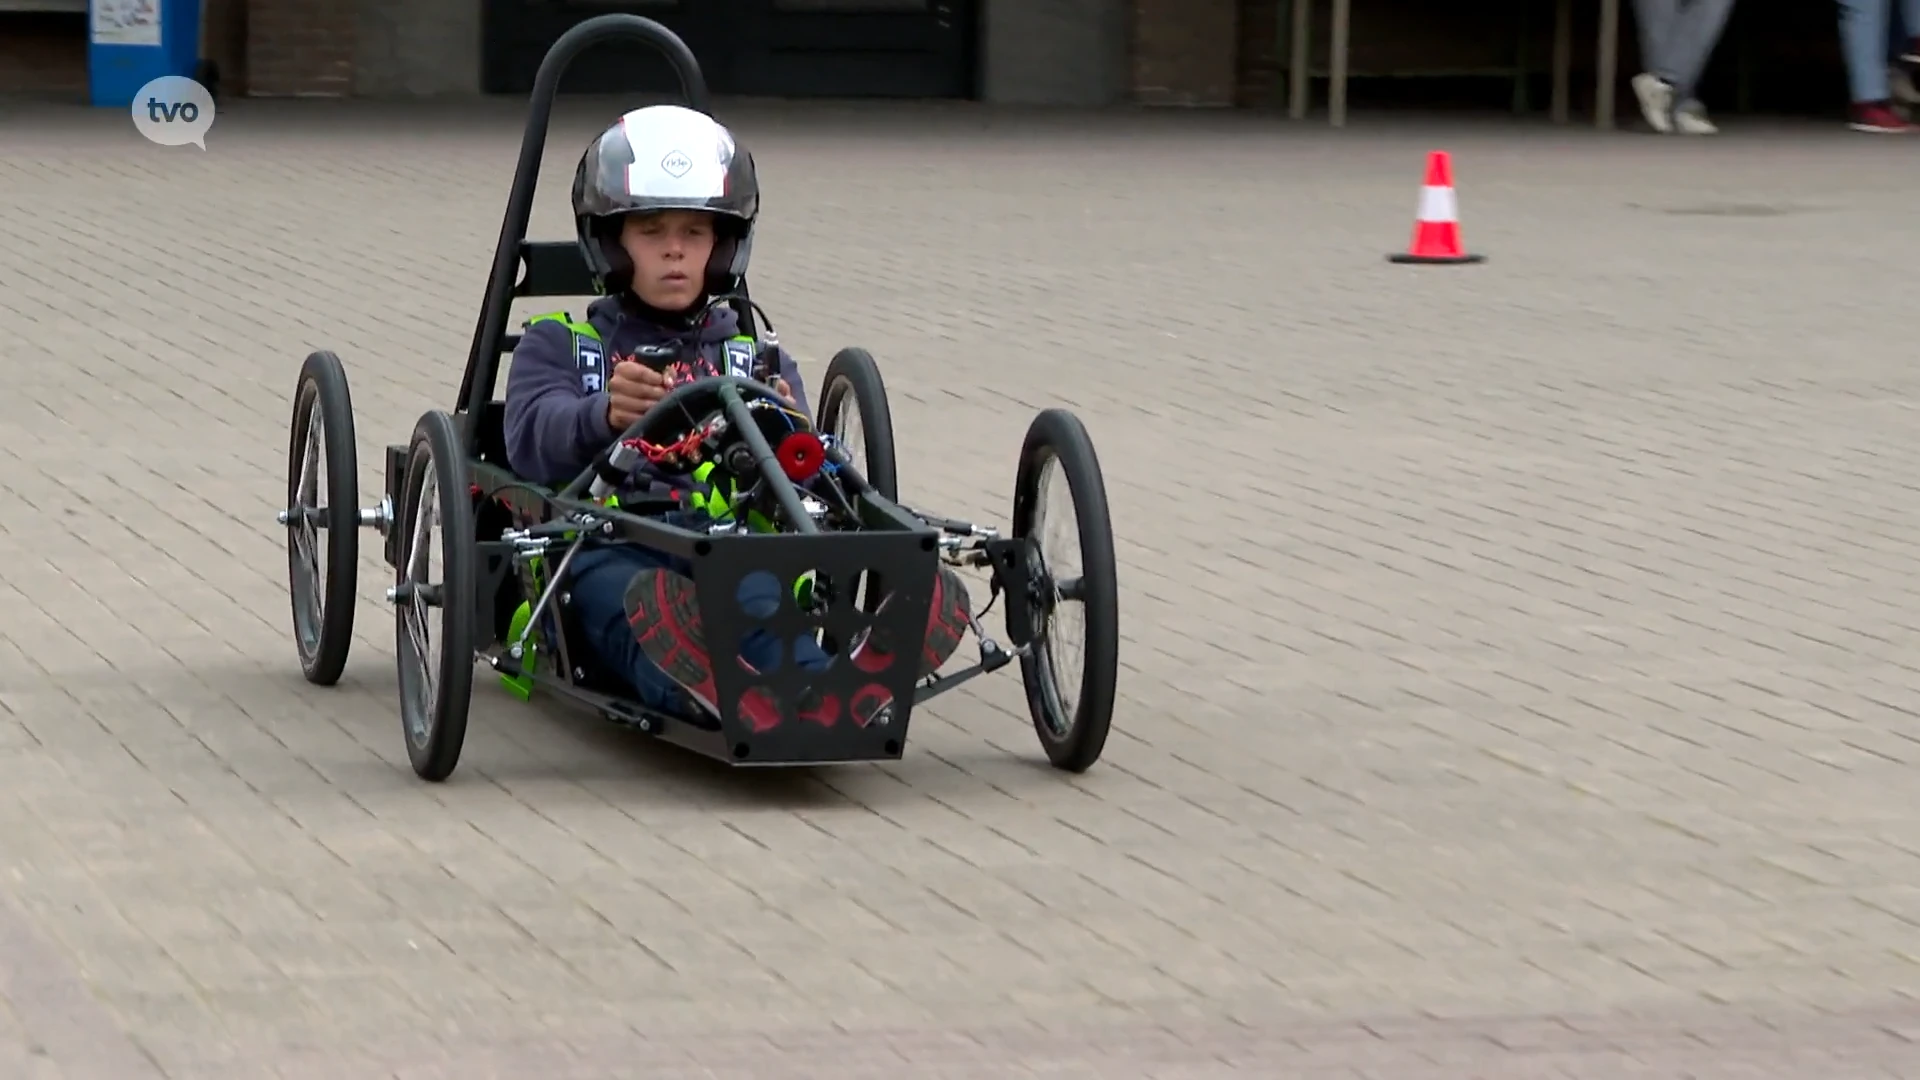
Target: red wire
x=656 y=452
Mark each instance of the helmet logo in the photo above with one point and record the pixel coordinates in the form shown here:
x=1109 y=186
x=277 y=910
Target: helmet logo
x=676 y=164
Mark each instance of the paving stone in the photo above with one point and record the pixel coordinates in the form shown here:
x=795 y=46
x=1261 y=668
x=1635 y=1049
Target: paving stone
x=1515 y=675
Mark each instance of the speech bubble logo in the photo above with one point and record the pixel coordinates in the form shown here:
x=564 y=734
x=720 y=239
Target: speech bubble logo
x=173 y=110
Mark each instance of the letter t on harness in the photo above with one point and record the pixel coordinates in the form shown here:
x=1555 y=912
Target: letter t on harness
x=588 y=355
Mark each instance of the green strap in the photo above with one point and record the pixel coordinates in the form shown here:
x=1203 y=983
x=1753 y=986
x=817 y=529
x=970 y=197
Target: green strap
x=589 y=359
x=738 y=353
x=579 y=329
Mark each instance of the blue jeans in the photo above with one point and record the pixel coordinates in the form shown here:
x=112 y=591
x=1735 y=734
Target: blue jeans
x=1677 y=38
x=598 y=582
x=1864 y=28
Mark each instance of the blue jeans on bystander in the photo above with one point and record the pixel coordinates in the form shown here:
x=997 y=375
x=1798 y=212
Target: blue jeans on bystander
x=1864 y=28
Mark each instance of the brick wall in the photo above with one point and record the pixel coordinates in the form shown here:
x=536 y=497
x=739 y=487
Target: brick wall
x=1185 y=52
x=300 y=48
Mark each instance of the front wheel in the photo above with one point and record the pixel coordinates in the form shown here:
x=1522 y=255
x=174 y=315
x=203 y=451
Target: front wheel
x=1060 y=509
x=854 y=410
x=855 y=413
x=434 y=598
x=322 y=518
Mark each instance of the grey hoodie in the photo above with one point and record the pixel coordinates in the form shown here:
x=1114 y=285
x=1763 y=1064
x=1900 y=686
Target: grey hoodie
x=554 y=424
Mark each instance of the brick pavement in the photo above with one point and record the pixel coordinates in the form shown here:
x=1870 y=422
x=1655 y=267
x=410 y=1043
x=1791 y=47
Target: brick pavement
x=1532 y=646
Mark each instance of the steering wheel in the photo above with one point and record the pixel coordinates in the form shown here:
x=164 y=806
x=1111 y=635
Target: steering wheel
x=681 y=429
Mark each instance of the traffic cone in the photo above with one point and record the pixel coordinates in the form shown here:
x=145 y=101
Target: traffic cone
x=1436 y=227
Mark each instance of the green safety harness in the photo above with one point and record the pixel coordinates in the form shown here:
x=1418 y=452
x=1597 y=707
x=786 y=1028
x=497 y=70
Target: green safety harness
x=589 y=356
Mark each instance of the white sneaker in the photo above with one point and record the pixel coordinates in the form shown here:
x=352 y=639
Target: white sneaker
x=1656 y=101
x=1691 y=119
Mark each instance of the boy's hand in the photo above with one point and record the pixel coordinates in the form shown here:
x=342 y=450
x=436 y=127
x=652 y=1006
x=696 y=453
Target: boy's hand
x=632 y=389
x=786 y=392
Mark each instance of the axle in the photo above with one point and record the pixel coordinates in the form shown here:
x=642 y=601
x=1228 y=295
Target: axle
x=378 y=517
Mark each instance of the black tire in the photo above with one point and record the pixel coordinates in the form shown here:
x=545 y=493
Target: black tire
x=433 y=717
x=322 y=595
x=853 y=386
x=1072 y=733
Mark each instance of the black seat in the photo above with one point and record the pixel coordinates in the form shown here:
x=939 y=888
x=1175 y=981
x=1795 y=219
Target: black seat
x=553 y=268
x=493 y=435
x=549 y=268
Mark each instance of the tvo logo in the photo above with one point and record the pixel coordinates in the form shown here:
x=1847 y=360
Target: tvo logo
x=173 y=111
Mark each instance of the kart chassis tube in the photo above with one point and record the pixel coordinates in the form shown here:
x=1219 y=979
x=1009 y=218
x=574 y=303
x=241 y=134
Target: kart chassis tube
x=483 y=360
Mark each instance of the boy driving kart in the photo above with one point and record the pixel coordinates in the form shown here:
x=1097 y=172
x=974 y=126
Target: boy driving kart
x=664 y=205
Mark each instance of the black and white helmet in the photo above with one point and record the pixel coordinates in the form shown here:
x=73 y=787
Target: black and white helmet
x=665 y=157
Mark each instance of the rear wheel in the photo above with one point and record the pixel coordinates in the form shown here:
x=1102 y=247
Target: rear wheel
x=434 y=598
x=854 y=410
x=322 y=518
x=1060 y=509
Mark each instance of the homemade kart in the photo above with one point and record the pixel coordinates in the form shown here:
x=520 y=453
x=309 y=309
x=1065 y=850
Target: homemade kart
x=481 y=557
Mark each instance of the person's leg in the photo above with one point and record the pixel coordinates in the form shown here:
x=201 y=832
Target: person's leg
x=1863 y=32
x=1650 y=19
x=1863 y=27
x=663 y=612
x=665 y=615
x=759 y=597
x=1903 y=52
x=1695 y=34
x=597 y=584
x=1907 y=33
x=1653 y=87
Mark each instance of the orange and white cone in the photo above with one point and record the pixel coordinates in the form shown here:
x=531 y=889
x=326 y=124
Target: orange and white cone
x=1436 y=226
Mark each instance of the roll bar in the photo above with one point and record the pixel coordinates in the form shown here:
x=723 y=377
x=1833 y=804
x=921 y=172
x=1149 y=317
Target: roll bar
x=483 y=359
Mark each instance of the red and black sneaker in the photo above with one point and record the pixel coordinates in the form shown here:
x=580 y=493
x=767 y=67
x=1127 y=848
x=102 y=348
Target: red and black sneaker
x=1879 y=118
x=947 y=622
x=665 y=615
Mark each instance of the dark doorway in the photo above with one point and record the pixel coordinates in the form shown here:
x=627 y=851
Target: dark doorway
x=765 y=48
x=43 y=49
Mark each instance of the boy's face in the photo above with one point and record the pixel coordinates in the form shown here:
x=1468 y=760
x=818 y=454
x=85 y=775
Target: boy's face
x=669 y=252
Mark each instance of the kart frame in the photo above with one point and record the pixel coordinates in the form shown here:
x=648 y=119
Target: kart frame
x=499 y=604
x=893 y=545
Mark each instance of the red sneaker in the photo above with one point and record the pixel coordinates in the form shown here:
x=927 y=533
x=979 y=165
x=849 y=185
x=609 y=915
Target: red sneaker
x=1879 y=118
x=947 y=624
x=665 y=616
